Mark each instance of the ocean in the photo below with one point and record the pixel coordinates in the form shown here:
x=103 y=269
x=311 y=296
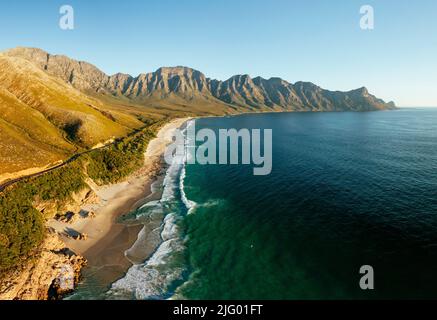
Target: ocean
x=346 y=190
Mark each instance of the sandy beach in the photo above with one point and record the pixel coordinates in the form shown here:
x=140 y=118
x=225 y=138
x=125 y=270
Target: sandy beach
x=106 y=239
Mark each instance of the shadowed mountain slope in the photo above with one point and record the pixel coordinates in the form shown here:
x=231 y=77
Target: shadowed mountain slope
x=51 y=106
x=239 y=91
x=43 y=119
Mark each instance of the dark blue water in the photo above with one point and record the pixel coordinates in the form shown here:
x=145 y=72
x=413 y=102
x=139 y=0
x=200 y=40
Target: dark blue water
x=346 y=190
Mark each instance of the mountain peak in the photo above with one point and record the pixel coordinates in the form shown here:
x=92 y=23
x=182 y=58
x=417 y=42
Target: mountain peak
x=22 y=50
x=241 y=77
x=177 y=70
x=363 y=90
x=187 y=83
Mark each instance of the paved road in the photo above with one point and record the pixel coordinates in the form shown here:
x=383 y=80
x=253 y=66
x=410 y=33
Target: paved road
x=72 y=158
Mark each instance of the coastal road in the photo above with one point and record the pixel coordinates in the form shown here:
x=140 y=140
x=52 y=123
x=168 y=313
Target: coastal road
x=6 y=184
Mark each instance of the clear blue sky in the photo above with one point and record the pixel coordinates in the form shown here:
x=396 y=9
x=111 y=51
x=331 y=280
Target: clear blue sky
x=311 y=40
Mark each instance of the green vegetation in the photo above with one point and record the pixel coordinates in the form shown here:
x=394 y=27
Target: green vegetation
x=58 y=184
x=22 y=225
x=111 y=164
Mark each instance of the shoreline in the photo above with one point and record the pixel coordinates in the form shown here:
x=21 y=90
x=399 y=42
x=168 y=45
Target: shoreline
x=106 y=239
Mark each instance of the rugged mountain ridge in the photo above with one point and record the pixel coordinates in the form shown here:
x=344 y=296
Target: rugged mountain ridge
x=239 y=91
x=44 y=120
x=51 y=105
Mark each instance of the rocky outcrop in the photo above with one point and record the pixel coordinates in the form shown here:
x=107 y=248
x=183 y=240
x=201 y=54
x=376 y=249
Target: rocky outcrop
x=81 y=75
x=52 y=272
x=43 y=118
x=69 y=209
x=186 y=83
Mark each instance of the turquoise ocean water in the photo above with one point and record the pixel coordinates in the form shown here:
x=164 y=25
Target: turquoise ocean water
x=346 y=190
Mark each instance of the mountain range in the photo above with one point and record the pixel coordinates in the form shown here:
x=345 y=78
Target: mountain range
x=51 y=105
x=187 y=83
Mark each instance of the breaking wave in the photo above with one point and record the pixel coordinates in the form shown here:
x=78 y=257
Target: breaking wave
x=165 y=269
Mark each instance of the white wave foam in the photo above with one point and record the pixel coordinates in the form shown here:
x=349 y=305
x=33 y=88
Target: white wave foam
x=212 y=203
x=155 y=186
x=189 y=204
x=149 y=204
x=144 y=283
x=152 y=279
x=170 y=229
x=190 y=141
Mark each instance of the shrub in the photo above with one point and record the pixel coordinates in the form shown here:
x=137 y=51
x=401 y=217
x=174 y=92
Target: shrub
x=22 y=226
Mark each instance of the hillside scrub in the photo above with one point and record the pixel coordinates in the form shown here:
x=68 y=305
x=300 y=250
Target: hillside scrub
x=111 y=164
x=22 y=226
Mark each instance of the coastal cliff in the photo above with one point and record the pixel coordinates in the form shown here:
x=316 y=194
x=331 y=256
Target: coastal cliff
x=73 y=222
x=26 y=248
x=53 y=271
x=54 y=109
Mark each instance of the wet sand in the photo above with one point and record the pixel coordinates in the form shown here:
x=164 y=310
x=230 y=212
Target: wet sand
x=108 y=240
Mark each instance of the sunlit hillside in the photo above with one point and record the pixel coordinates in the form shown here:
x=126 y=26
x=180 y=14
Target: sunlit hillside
x=52 y=107
x=43 y=119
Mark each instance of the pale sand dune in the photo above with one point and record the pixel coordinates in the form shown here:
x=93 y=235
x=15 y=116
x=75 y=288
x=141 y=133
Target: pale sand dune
x=108 y=240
